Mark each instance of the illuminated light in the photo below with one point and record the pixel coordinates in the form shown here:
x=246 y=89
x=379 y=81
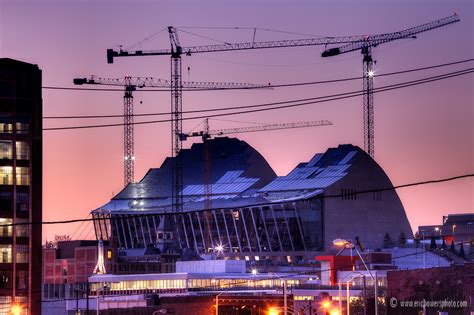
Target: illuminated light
x=326 y=304
x=371 y=73
x=219 y=248
x=334 y=312
x=3 y=220
x=16 y=309
x=135 y=202
x=141 y=203
x=254 y=271
x=340 y=242
x=133 y=158
x=126 y=158
x=272 y=311
x=436 y=229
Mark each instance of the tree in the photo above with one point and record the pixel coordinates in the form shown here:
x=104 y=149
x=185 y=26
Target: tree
x=433 y=245
x=453 y=249
x=387 y=241
x=461 y=251
x=402 y=239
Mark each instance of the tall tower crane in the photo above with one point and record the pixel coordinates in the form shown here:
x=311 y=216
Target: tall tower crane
x=130 y=85
x=177 y=51
x=368 y=71
x=206 y=134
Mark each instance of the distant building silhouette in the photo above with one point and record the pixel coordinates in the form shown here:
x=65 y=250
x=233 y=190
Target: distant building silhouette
x=20 y=185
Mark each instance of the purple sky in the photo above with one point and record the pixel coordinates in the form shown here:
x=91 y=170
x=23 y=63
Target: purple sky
x=424 y=132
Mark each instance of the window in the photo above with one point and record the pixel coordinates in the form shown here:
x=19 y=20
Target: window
x=22 y=201
x=22 y=150
x=21 y=254
x=5 y=303
x=348 y=194
x=22 y=176
x=6 y=175
x=5 y=279
x=22 y=279
x=6 y=253
x=377 y=195
x=109 y=254
x=6 y=201
x=6 y=125
x=6 y=231
x=6 y=149
x=22 y=230
x=22 y=125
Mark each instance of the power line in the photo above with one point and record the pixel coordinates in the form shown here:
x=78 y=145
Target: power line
x=313 y=100
x=433 y=181
x=261 y=87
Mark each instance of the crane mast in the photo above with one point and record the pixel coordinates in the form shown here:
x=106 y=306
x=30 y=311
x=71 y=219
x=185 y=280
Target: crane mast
x=128 y=135
x=368 y=71
x=130 y=85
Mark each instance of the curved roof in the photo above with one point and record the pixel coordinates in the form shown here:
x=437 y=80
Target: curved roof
x=235 y=167
x=240 y=177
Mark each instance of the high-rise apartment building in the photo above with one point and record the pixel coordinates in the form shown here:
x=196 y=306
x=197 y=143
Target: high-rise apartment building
x=20 y=187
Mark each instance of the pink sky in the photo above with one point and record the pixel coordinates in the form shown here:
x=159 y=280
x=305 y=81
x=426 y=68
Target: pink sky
x=424 y=132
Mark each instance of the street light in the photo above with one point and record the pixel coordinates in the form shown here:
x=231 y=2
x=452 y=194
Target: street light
x=454 y=227
x=349 y=244
x=273 y=311
x=16 y=309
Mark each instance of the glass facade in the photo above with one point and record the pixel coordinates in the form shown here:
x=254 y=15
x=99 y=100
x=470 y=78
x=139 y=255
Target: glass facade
x=183 y=283
x=245 y=232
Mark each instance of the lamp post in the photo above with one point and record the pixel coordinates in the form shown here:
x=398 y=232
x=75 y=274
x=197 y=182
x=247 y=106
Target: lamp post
x=217 y=301
x=349 y=244
x=454 y=227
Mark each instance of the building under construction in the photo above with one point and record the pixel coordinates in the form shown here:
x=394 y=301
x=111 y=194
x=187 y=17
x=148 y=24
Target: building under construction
x=239 y=208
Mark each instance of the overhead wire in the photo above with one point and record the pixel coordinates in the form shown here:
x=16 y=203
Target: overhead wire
x=260 y=87
x=280 y=105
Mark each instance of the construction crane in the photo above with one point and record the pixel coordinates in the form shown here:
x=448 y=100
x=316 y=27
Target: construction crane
x=368 y=71
x=130 y=85
x=206 y=134
x=176 y=51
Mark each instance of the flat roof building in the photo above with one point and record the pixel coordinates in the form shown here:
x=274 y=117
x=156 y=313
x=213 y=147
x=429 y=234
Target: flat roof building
x=20 y=186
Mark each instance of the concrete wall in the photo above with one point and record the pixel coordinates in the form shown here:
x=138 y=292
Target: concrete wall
x=366 y=216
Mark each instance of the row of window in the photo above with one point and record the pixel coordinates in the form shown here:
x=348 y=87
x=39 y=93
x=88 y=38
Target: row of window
x=22 y=201
x=22 y=128
x=6 y=253
x=21 y=280
x=22 y=150
x=7 y=231
x=22 y=175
